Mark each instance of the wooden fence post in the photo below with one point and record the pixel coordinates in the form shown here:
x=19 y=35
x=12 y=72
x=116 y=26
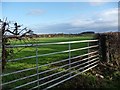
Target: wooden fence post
x=3 y=46
x=102 y=46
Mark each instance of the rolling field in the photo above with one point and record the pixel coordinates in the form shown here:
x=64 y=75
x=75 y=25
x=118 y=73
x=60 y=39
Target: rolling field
x=31 y=51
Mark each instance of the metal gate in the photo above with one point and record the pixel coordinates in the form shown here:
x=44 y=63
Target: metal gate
x=51 y=74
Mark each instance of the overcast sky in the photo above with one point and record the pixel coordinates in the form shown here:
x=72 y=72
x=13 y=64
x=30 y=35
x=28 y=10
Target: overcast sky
x=63 y=17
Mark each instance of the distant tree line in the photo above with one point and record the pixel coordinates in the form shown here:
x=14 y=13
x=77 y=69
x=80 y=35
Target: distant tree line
x=53 y=35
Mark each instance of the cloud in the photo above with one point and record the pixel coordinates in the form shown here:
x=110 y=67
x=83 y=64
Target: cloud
x=106 y=20
x=98 y=2
x=103 y=22
x=36 y=12
x=110 y=15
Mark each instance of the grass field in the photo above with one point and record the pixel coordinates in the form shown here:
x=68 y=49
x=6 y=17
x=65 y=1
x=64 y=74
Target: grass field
x=31 y=51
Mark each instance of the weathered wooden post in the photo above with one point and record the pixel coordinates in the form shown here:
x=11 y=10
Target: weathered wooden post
x=3 y=46
x=102 y=46
x=0 y=54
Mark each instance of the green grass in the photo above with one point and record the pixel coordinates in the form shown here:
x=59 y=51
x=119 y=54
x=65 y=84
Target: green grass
x=31 y=51
x=54 y=39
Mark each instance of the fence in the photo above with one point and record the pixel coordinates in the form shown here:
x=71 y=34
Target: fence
x=52 y=74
